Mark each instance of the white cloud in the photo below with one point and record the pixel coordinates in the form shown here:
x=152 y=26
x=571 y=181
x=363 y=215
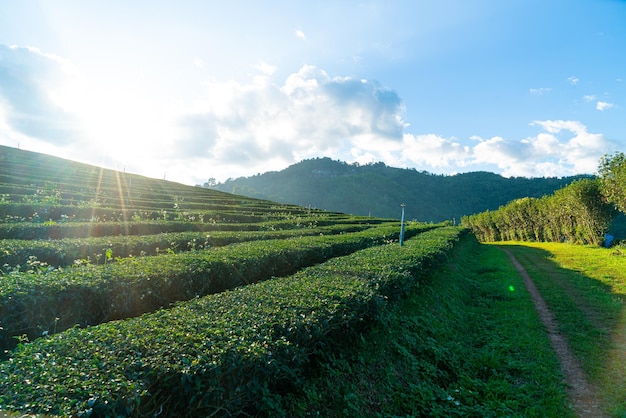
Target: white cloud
x=265 y=68
x=562 y=148
x=433 y=151
x=300 y=34
x=556 y=126
x=238 y=128
x=540 y=91
x=602 y=106
x=36 y=95
x=260 y=124
x=573 y=80
x=589 y=98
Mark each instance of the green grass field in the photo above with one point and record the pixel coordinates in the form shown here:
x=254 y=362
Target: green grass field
x=585 y=287
x=466 y=343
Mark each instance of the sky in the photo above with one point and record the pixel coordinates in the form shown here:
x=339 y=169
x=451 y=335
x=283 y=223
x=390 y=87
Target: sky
x=190 y=90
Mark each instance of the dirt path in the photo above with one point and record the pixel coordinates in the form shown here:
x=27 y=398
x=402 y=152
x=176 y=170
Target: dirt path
x=582 y=394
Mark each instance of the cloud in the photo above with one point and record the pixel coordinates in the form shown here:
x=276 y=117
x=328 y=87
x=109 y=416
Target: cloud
x=562 y=148
x=309 y=114
x=573 y=80
x=241 y=129
x=540 y=91
x=33 y=95
x=265 y=68
x=238 y=128
x=602 y=106
x=433 y=151
x=300 y=35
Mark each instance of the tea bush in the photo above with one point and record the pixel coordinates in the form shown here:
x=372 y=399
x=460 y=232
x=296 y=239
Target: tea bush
x=65 y=251
x=217 y=355
x=38 y=301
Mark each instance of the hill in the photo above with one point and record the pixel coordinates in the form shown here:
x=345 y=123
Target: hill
x=378 y=190
x=152 y=298
x=128 y=296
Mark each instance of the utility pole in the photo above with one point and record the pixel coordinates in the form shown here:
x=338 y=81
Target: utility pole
x=402 y=226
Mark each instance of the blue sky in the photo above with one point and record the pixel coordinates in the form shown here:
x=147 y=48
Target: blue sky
x=194 y=89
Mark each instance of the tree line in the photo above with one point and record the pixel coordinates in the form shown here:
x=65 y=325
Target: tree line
x=580 y=212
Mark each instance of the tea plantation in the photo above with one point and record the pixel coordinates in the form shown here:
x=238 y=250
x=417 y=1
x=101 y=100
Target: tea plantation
x=123 y=295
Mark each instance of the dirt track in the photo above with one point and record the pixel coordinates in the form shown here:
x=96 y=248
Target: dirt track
x=582 y=394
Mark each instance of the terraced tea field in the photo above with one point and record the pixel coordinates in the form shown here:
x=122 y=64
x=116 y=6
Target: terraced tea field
x=128 y=296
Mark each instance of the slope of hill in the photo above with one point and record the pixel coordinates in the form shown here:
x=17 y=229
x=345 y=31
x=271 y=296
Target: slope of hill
x=113 y=303
x=33 y=178
x=378 y=190
x=121 y=280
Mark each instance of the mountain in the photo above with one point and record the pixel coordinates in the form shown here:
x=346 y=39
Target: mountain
x=378 y=190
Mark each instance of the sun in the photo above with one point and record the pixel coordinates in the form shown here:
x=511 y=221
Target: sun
x=115 y=122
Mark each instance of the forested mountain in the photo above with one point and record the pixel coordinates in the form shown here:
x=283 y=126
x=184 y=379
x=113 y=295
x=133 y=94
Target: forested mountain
x=378 y=190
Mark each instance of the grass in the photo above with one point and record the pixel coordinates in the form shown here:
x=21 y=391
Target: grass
x=468 y=343
x=585 y=287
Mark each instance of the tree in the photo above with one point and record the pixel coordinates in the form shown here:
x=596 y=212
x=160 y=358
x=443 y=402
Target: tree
x=210 y=183
x=577 y=213
x=612 y=172
x=590 y=213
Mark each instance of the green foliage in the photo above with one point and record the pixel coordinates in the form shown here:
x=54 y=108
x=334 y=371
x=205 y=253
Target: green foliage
x=222 y=353
x=453 y=348
x=576 y=213
x=612 y=172
x=82 y=245
x=31 y=303
x=55 y=231
x=63 y=252
x=377 y=190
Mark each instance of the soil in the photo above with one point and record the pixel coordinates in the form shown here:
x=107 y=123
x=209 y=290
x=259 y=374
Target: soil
x=582 y=394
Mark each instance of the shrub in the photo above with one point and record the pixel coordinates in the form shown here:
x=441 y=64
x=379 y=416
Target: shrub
x=64 y=252
x=37 y=302
x=219 y=354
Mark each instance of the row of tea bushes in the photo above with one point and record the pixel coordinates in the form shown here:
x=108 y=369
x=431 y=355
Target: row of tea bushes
x=102 y=250
x=40 y=302
x=54 y=230
x=46 y=230
x=220 y=354
x=11 y=212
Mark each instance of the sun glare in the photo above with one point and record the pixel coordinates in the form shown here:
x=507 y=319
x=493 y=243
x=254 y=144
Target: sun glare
x=115 y=124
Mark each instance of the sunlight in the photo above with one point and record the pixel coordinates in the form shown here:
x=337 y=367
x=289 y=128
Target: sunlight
x=96 y=196
x=116 y=122
x=121 y=183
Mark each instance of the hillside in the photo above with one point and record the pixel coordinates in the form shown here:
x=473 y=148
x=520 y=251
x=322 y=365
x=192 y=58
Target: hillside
x=150 y=297
x=128 y=296
x=378 y=190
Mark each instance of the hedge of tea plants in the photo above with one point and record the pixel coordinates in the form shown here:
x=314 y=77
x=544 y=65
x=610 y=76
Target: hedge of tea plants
x=85 y=250
x=39 y=301
x=67 y=251
x=217 y=355
x=54 y=230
